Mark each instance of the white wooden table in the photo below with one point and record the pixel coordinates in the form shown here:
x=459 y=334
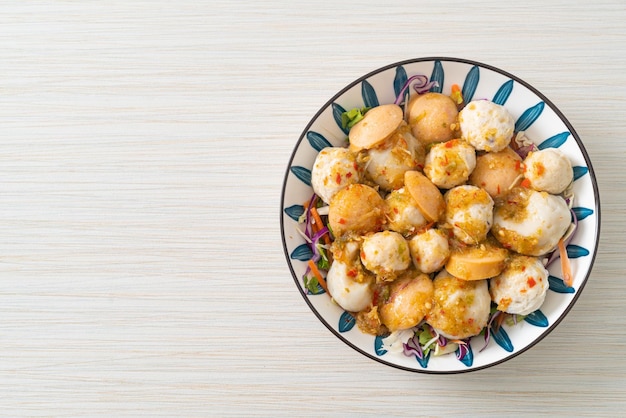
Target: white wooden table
x=142 y=150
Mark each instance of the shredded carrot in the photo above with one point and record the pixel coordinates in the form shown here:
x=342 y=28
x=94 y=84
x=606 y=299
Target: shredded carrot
x=319 y=224
x=318 y=275
x=456 y=94
x=566 y=268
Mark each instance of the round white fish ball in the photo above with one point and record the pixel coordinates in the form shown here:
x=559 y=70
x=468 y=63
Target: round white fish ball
x=351 y=295
x=548 y=170
x=334 y=169
x=429 y=250
x=530 y=222
x=385 y=254
x=522 y=287
x=450 y=164
x=487 y=126
x=469 y=213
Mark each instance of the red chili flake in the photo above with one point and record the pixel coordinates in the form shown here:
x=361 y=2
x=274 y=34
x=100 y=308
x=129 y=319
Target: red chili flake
x=526 y=183
x=449 y=144
x=363 y=255
x=531 y=282
x=342 y=221
x=518 y=165
x=498 y=189
x=396 y=211
x=338 y=178
x=349 y=174
x=352 y=273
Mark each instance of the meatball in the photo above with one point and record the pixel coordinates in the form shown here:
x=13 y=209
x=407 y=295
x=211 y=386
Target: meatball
x=487 y=126
x=530 y=222
x=403 y=214
x=521 y=288
x=548 y=170
x=450 y=163
x=461 y=309
x=469 y=213
x=410 y=299
x=387 y=163
x=497 y=172
x=349 y=293
x=357 y=208
x=333 y=170
x=385 y=254
x=429 y=250
x=432 y=117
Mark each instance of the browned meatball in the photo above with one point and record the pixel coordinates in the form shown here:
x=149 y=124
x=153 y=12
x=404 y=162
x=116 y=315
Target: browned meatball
x=433 y=117
x=497 y=172
x=358 y=208
x=410 y=298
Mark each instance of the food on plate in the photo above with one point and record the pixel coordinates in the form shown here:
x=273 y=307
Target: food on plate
x=357 y=208
x=468 y=213
x=349 y=293
x=434 y=224
x=461 y=307
x=522 y=287
x=429 y=250
x=450 y=163
x=497 y=172
x=548 y=170
x=377 y=124
x=487 y=126
x=426 y=195
x=387 y=162
x=410 y=299
x=530 y=222
x=403 y=215
x=477 y=262
x=432 y=117
x=385 y=254
x=334 y=168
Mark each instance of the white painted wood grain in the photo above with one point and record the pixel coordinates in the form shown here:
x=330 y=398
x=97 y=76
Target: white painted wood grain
x=142 y=150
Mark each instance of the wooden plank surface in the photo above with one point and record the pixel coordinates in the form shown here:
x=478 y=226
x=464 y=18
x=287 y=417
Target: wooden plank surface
x=142 y=151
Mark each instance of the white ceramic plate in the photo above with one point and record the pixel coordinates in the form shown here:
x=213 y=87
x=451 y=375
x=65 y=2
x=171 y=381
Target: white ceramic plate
x=542 y=122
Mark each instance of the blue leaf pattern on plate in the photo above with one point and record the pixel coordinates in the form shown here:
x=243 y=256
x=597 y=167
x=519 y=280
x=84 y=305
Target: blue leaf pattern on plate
x=554 y=141
x=338 y=110
x=302 y=252
x=557 y=285
x=369 y=95
x=503 y=93
x=294 y=212
x=468 y=359
x=378 y=346
x=317 y=141
x=302 y=173
x=579 y=171
x=469 y=86
x=575 y=251
x=537 y=319
x=423 y=361
x=438 y=76
x=529 y=117
x=582 y=213
x=399 y=80
x=346 y=322
x=502 y=338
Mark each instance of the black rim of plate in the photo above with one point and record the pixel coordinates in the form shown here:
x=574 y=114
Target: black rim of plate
x=574 y=135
